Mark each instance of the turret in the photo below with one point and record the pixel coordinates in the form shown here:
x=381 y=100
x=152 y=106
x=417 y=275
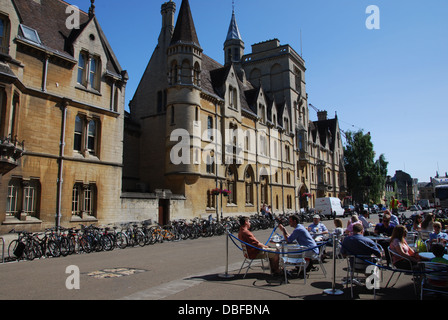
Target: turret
x=234 y=45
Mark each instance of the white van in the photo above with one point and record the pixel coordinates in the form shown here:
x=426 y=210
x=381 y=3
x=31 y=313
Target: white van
x=329 y=207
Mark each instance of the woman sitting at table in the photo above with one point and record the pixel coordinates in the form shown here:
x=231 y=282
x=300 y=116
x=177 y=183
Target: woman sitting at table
x=404 y=253
x=417 y=225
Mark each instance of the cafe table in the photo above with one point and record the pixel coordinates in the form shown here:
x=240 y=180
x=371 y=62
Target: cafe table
x=430 y=255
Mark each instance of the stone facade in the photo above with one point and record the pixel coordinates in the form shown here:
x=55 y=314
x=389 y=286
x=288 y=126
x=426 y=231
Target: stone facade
x=196 y=125
x=62 y=92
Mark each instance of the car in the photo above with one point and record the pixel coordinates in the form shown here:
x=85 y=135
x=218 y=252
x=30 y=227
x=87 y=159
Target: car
x=374 y=208
x=349 y=210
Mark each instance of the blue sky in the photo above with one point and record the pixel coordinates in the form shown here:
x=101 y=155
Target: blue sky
x=391 y=82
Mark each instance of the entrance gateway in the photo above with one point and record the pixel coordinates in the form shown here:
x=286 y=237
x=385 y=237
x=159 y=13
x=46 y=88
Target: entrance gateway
x=164 y=197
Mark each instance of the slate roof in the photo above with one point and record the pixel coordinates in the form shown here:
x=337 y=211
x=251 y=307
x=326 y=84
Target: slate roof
x=185 y=30
x=48 y=18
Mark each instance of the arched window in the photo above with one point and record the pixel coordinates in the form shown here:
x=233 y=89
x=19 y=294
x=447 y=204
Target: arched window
x=249 y=184
x=264 y=189
x=186 y=73
x=174 y=73
x=231 y=184
x=197 y=74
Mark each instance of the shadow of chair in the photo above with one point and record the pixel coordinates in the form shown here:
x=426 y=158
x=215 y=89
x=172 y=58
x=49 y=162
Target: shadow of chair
x=261 y=256
x=434 y=278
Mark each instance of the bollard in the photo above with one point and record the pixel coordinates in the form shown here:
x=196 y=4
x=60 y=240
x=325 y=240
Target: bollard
x=333 y=291
x=226 y=275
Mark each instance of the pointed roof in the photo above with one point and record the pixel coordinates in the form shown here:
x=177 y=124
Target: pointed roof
x=234 y=32
x=185 y=32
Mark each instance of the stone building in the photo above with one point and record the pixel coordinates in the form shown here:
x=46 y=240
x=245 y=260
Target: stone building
x=196 y=126
x=61 y=92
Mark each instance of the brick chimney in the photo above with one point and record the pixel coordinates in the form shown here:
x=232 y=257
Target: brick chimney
x=322 y=115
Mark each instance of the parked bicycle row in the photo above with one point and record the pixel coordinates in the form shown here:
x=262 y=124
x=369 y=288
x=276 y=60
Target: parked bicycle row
x=87 y=239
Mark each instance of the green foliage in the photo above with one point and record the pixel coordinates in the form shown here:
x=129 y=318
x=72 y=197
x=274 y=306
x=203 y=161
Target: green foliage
x=365 y=177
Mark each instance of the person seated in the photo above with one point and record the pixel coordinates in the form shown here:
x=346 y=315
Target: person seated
x=365 y=223
x=353 y=220
x=359 y=245
x=438 y=250
x=317 y=229
x=438 y=236
x=303 y=238
x=405 y=258
x=385 y=227
x=254 y=246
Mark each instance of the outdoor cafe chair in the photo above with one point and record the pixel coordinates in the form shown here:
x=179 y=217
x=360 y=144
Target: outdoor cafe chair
x=294 y=255
x=319 y=257
x=434 y=278
x=396 y=270
x=356 y=270
x=249 y=261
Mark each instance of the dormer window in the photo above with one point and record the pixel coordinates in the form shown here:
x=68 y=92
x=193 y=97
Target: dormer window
x=30 y=34
x=233 y=98
x=89 y=71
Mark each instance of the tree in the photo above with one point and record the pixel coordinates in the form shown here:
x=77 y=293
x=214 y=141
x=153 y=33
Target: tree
x=365 y=177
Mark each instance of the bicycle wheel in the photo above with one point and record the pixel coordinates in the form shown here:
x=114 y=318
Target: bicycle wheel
x=107 y=243
x=64 y=244
x=15 y=251
x=85 y=244
x=140 y=238
x=53 y=248
x=121 y=240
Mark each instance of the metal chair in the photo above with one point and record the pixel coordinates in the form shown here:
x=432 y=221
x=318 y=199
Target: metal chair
x=358 y=265
x=434 y=278
x=320 y=256
x=395 y=269
x=294 y=255
x=249 y=261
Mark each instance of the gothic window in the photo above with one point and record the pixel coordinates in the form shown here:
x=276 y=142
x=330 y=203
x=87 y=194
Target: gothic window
x=84 y=197
x=231 y=185
x=82 y=69
x=86 y=135
x=233 y=98
x=4 y=35
x=249 y=184
x=174 y=73
x=264 y=189
x=95 y=73
x=186 y=76
x=197 y=74
x=209 y=127
x=23 y=197
x=92 y=137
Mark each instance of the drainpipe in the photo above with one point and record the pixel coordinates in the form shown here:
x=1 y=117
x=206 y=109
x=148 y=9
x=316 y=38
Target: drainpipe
x=63 y=107
x=45 y=73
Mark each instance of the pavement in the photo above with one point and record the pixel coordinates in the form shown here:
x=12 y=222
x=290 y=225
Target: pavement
x=192 y=271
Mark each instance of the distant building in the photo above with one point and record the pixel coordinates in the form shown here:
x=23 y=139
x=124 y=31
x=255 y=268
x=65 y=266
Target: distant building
x=406 y=187
x=246 y=126
x=62 y=92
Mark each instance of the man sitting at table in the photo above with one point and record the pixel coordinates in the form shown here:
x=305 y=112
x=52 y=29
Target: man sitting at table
x=303 y=238
x=359 y=245
x=245 y=235
x=385 y=227
x=317 y=229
